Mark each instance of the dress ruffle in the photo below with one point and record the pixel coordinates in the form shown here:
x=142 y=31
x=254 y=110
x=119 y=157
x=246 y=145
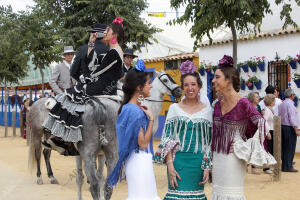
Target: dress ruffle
x=175 y=195
x=164 y=148
x=227 y=193
x=253 y=152
x=65 y=120
x=60 y=130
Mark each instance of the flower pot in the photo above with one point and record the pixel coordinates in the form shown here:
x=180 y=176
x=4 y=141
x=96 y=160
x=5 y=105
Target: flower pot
x=293 y=64
x=243 y=86
x=215 y=69
x=250 y=86
x=239 y=69
x=245 y=68
x=253 y=68
x=261 y=67
x=201 y=71
x=258 y=84
x=297 y=82
x=209 y=72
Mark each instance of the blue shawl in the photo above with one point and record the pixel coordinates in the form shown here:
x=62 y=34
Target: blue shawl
x=129 y=123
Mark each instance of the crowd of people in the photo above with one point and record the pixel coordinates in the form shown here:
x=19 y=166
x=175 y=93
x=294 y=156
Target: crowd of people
x=197 y=138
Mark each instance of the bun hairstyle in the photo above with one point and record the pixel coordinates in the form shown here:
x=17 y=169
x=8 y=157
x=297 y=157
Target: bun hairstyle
x=187 y=68
x=117 y=28
x=231 y=73
x=133 y=79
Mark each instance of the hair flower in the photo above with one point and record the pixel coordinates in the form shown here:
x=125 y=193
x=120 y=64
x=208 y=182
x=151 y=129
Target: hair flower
x=118 y=20
x=187 y=67
x=140 y=66
x=226 y=61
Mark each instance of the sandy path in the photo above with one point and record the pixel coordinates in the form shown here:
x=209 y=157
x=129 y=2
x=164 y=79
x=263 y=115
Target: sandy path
x=17 y=183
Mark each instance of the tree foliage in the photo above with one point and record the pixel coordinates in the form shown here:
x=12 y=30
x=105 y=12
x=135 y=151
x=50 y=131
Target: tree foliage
x=41 y=39
x=13 y=59
x=285 y=13
x=74 y=17
x=208 y=15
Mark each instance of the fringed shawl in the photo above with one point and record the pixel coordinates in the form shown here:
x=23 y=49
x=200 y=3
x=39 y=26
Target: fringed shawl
x=243 y=119
x=186 y=133
x=129 y=123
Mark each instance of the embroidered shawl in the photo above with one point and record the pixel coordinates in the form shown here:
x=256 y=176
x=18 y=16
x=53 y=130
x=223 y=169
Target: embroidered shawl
x=186 y=133
x=243 y=118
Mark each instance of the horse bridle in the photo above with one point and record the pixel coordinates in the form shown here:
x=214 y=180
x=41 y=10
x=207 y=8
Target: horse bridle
x=159 y=101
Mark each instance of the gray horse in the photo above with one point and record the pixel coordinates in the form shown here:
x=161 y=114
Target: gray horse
x=99 y=111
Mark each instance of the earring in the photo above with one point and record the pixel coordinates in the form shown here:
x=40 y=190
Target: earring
x=140 y=98
x=113 y=41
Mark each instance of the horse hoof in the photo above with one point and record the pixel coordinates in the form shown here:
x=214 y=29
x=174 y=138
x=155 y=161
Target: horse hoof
x=53 y=181
x=39 y=181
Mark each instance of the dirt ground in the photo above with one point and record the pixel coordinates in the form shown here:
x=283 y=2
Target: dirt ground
x=16 y=182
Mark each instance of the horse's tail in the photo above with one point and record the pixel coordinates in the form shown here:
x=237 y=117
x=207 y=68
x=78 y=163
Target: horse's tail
x=99 y=111
x=32 y=148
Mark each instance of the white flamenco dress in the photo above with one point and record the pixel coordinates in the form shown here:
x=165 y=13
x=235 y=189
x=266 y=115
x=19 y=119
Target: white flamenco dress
x=229 y=169
x=140 y=177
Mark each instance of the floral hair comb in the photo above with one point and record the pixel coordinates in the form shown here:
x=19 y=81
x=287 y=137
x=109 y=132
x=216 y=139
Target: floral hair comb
x=226 y=61
x=118 y=20
x=187 y=67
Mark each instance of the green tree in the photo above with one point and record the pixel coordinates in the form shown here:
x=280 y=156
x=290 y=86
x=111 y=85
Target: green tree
x=285 y=13
x=208 y=15
x=13 y=59
x=74 y=17
x=42 y=41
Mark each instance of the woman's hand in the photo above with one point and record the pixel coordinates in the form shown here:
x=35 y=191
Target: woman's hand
x=205 y=177
x=269 y=136
x=148 y=112
x=173 y=175
x=93 y=37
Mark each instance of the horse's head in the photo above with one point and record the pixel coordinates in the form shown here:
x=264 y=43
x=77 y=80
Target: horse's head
x=165 y=83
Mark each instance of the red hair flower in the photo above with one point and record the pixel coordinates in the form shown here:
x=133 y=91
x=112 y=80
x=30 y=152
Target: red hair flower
x=118 y=20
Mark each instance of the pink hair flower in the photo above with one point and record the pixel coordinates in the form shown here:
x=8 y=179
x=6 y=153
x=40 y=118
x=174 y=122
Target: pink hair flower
x=118 y=20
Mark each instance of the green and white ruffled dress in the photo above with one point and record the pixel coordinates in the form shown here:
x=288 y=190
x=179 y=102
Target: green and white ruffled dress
x=189 y=139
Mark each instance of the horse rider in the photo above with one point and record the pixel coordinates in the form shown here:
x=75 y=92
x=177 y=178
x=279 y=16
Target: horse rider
x=60 y=78
x=80 y=70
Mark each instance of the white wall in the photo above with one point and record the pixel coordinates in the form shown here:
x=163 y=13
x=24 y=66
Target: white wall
x=283 y=45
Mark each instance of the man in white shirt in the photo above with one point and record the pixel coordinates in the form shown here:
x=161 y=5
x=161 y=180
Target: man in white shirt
x=60 y=78
x=271 y=90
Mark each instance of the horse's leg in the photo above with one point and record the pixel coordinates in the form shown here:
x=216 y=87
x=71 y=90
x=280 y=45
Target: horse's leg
x=79 y=176
x=111 y=155
x=47 y=154
x=38 y=163
x=90 y=171
x=101 y=162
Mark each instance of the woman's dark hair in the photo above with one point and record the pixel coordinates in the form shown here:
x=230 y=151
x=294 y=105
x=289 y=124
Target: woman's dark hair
x=270 y=89
x=194 y=74
x=117 y=29
x=232 y=74
x=133 y=79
